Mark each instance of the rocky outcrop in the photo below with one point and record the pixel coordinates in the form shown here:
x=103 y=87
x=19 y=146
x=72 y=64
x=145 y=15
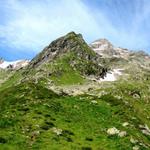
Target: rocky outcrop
x=115 y=131
x=104 y=48
x=121 y=57
x=72 y=49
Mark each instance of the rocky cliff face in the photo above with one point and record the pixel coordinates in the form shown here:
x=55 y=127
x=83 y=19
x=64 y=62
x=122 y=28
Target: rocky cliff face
x=72 y=50
x=119 y=56
x=104 y=48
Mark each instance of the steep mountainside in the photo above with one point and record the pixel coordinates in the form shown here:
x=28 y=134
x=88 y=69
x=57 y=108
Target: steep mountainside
x=68 y=60
x=72 y=98
x=107 y=50
x=120 y=57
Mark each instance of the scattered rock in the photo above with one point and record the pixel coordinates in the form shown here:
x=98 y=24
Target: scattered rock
x=76 y=107
x=125 y=124
x=145 y=129
x=133 y=141
x=112 y=131
x=136 y=147
x=94 y=102
x=143 y=145
x=115 y=131
x=57 y=131
x=117 y=96
x=145 y=132
x=34 y=134
x=122 y=134
x=135 y=94
x=133 y=118
x=126 y=102
x=148 y=117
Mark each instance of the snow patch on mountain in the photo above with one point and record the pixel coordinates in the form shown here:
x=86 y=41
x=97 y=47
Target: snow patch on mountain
x=14 y=64
x=104 y=48
x=112 y=75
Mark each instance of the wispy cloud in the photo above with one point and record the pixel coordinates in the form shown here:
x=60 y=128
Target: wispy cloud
x=29 y=25
x=128 y=23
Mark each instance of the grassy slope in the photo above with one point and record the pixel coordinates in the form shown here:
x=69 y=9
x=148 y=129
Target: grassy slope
x=30 y=112
x=59 y=71
x=63 y=73
x=13 y=78
x=3 y=74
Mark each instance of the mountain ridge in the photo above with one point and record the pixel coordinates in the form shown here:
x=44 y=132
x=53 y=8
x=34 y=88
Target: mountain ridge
x=102 y=45
x=62 y=101
x=69 y=53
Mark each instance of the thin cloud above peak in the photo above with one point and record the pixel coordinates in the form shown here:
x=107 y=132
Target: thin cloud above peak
x=31 y=25
x=34 y=26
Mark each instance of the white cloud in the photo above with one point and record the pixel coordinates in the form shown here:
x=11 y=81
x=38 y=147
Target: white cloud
x=33 y=25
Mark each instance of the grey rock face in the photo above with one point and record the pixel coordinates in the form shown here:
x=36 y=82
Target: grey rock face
x=106 y=49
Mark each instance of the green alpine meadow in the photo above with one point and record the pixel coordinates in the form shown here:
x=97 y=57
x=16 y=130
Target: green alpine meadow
x=75 y=96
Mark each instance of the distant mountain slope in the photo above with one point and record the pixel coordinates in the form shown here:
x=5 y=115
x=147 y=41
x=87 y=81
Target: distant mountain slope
x=107 y=50
x=13 y=64
x=120 y=57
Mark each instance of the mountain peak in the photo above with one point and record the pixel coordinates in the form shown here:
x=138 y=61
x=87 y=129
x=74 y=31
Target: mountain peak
x=104 y=48
x=101 y=44
x=69 y=53
x=72 y=33
x=60 y=46
x=102 y=40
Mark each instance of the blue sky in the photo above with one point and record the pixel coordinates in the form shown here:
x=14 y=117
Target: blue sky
x=27 y=26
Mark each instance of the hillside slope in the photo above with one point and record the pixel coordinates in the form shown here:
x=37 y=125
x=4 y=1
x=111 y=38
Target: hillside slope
x=33 y=117
x=60 y=101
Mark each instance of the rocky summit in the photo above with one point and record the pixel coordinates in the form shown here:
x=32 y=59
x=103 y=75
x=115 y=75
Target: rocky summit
x=75 y=96
x=106 y=49
x=68 y=55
